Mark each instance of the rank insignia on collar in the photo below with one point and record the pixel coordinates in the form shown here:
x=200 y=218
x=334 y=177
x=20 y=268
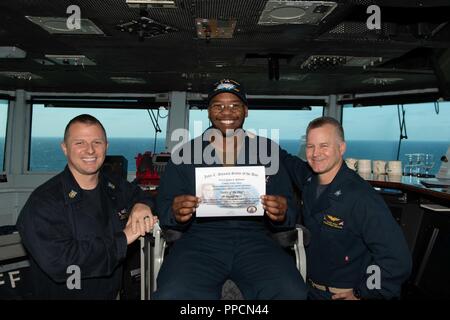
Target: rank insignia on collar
x=111 y=185
x=309 y=179
x=123 y=214
x=332 y=221
x=338 y=193
x=72 y=194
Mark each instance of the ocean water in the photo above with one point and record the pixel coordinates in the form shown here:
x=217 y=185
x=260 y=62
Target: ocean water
x=385 y=150
x=46 y=154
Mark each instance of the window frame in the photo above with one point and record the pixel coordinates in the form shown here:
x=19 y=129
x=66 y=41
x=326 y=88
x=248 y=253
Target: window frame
x=5 y=101
x=88 y=104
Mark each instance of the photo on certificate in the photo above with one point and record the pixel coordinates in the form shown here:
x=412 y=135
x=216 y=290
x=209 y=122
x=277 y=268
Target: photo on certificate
x=230 y=191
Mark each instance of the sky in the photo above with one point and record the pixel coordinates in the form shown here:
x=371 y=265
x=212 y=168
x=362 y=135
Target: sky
x=291 y=124
x=422 y=122
x=367 y=123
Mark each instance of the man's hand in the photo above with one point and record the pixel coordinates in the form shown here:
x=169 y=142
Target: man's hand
x=184 y=206
x=131 y=236
x=275 y=206
x=344 y=296
x=141 y=219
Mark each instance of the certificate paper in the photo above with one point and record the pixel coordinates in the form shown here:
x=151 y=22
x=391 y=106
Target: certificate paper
x=230 y=191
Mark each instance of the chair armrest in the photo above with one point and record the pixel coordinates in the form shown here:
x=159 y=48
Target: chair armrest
x=152 y=254
x=306 y=234
x=297 y=239
x=288 y=238
x=171 y=235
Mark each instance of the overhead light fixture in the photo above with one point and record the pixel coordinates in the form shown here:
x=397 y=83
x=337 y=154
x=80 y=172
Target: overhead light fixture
x=295 y=12
x=151 y=3
x=128 y=80
x=70 y=60
x=293 y=77
x=363 y=61
x=195 y=75
x=378 y=81
x=20 y=75
x=12 y=53
x=318 y=62
x=58 y=25
x=219 y=63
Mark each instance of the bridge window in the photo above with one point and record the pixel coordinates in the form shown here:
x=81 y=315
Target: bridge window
x=290 y=124
x=198 y=122
x=373 y=132
x=129 y=131
x=3 y=120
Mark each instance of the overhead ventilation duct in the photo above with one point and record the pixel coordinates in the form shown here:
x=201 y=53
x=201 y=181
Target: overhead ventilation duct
x=70 y=60
x=58 y=25
x=12 y=53
x=295 y=12
x=321 y=62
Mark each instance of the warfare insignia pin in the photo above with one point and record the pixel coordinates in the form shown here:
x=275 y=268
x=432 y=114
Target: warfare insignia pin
x=226 y=86
x=72 y=194
x=338 y=193
x=123 y=214
x=332 y=221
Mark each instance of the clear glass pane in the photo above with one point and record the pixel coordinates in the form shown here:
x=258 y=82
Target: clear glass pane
x=291 y=124
x=198 y=122
x=373 y=132
x=129 y=132
x=3 y=120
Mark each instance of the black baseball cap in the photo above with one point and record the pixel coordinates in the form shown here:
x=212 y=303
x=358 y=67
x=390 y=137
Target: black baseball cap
x=229 y=86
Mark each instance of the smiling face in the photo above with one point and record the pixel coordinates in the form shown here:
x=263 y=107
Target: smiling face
x=324 y=152
x=85 y=150
x=231 y=116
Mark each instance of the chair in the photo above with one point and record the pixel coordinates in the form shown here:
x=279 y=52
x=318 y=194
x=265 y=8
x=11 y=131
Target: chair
x=153 y=247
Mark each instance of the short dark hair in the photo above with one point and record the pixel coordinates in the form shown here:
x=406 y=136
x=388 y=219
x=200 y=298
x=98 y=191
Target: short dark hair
x=320 y=122
x=86 y=119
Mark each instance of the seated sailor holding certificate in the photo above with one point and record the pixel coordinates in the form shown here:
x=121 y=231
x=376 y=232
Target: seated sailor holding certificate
x=226 y=191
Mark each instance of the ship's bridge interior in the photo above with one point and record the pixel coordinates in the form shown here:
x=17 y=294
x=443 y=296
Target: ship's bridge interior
x=144 y=69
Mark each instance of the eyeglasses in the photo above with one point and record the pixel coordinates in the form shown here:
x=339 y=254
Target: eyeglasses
x=232 y=107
